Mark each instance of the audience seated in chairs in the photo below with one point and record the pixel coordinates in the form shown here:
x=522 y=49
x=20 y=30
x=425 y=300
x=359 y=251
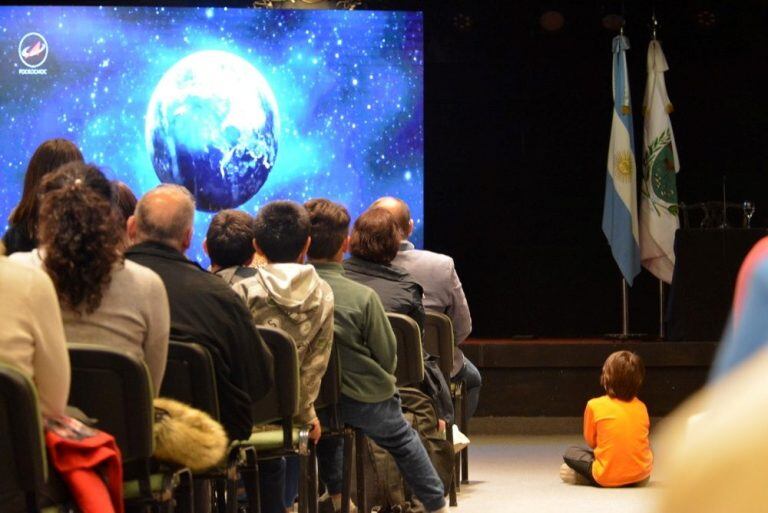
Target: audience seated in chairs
x=367 y=350
x=22 y=229
x=203 y=308
x=32 y=335
x=284 y=293
x=104 y=299
x=443 y=292
x=374 y=243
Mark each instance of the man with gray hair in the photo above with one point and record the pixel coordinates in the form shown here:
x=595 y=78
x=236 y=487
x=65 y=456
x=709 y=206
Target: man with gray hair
x=443 y=292
x=204 y=309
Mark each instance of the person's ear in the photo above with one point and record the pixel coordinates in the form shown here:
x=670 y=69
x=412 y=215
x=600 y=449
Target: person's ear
x=303 y=255
x=410 y=227
x=187 y=242
x=345 y=244
x=205 y=247
x=130 y=228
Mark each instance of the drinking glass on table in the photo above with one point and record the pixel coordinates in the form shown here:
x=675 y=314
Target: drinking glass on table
x=749 y=210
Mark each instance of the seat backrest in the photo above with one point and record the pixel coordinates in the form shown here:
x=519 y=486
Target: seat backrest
x=190 y=377
x=114 y=387
x=282 y=401
x=438 y=340
x=23 y=470
x=410 y=359
x=330 y=390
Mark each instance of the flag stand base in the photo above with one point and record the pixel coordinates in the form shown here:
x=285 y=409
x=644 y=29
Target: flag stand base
x=626 y=336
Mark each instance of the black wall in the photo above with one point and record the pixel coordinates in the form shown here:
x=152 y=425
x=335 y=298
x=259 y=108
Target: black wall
x=517 y=127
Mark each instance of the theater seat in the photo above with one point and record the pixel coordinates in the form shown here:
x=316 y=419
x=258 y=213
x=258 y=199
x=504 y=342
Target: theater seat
x=280 y=406
x=26 y=485
x=114 y=387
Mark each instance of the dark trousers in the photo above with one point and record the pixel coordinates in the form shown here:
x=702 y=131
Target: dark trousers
x=580 y=459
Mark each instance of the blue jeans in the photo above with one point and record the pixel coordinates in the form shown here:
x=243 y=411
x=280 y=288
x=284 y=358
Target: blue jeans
x=471 y=377
x=384 y=423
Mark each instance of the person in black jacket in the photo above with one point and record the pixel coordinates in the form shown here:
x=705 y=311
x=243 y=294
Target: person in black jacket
x=204 y=309
x=374 y=244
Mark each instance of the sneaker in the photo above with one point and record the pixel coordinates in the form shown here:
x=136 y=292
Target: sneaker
x=328 y=505
x=460 y=440
x=570 y=476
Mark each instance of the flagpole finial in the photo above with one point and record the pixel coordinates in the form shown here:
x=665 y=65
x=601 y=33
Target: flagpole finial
x=654 y=26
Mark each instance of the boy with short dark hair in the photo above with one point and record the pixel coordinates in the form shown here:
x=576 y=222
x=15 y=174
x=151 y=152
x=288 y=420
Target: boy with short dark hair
x=616 y=429
x=285 y=293
x=368 y=354
x=229 y=240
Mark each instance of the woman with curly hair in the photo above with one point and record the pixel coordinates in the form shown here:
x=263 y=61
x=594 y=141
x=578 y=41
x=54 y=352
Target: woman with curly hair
x=104 y=299
x=23 y=220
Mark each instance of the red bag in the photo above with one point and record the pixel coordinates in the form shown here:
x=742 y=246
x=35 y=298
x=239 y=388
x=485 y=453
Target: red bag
x=89 y=461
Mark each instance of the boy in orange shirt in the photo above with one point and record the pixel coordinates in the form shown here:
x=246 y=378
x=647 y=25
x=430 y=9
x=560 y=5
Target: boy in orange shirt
x=615 y=428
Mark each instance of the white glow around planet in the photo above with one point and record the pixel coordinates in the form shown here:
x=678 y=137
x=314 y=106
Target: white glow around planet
x=212 y=126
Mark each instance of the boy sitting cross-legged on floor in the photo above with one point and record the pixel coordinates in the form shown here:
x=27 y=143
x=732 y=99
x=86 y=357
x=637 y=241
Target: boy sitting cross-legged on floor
x=284 y=293
x=616 y=429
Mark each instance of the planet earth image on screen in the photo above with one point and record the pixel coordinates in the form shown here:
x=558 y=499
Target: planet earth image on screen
x=212 y=125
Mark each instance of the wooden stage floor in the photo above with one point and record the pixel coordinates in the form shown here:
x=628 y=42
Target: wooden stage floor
x=556 y=377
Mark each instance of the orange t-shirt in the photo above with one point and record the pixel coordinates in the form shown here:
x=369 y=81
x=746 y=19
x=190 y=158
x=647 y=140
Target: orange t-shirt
x=618 y=432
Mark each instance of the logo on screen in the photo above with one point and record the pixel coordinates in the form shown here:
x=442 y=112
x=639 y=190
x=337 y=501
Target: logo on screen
x=33 y=50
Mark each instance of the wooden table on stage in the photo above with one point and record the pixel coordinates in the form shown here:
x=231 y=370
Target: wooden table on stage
x=706 y=266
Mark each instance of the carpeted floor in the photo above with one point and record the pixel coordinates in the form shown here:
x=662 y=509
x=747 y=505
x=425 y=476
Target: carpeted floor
x=519 y=473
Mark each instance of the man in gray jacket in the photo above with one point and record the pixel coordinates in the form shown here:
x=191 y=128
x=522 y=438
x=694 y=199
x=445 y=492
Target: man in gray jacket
x=443 y=292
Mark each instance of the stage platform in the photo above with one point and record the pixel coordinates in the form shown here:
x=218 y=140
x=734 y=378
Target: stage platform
x=556 y=377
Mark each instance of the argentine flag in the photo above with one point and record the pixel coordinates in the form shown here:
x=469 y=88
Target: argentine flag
x=620 y=207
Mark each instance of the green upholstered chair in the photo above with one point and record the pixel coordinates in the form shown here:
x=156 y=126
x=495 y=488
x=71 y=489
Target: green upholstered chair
x=279 y=407
x=439 y=341
x=114 y=387
x=25 y=483
x=191 y=379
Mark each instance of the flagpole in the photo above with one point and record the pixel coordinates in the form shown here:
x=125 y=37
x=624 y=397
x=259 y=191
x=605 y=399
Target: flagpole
x=662 y=334
x=624 y=309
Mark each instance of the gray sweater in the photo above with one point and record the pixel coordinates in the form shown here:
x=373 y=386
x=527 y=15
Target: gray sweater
x=133 y=315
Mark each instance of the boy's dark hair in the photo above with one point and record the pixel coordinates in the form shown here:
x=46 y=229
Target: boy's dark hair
x=623 y=374
x=330 y=226
x=230 y=238
x=375 y=237
x=281 y=230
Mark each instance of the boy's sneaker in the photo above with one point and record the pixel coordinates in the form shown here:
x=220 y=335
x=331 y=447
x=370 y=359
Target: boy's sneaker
x=570 y=476
x=460 y=440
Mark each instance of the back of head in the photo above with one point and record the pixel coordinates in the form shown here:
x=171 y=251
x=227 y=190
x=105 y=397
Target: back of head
x=281 y=230
x=623 y=374
x=165 y=215
x=375 y=236
x=125 y=201
x=47 y=157
x=229 y=240
x=399 y=210
x=78 y=232
x=329 y=227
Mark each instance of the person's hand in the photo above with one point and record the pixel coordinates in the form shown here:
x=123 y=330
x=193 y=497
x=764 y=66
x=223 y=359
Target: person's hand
x=441 y=425
x=315 y=430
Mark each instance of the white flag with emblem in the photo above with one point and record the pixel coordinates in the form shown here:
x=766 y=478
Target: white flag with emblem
x=658 y=204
